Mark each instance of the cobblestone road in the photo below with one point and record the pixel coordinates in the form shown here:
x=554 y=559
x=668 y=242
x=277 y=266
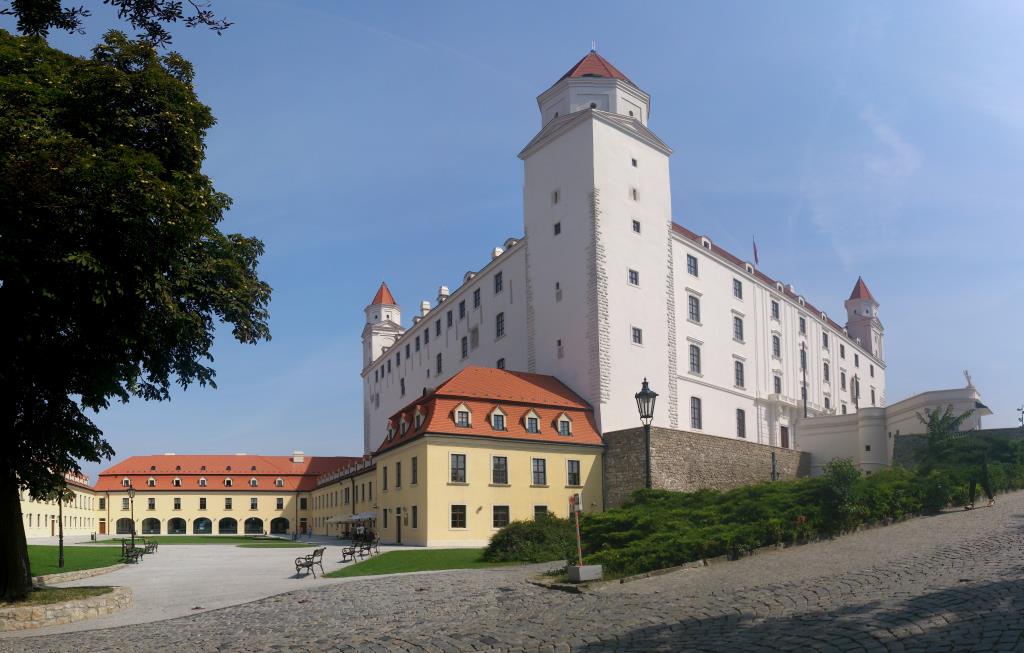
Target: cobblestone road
x=946 y=583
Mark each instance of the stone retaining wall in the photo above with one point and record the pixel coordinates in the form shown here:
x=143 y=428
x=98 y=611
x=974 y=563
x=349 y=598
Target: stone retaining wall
x=909 y=449
x=37 y=616
x=685 y=461
x=52 y=579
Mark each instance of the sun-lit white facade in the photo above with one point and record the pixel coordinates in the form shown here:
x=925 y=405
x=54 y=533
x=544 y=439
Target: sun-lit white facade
x=605 y=289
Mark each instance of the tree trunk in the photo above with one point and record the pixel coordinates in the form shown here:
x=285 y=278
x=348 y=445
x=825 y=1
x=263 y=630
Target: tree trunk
x=15 y=574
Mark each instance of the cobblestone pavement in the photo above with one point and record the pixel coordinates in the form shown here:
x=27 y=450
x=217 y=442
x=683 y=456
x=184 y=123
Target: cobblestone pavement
x=954 y=582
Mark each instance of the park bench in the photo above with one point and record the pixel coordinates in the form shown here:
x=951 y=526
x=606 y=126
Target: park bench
x=349 y=552
x=309 y=561
x=130 y=553
x=149 y=546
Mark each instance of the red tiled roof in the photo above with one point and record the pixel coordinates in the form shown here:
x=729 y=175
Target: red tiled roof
x=860 y=291
x=594 y=65
x=383 y=296
x=296 y=475
x=482 y=389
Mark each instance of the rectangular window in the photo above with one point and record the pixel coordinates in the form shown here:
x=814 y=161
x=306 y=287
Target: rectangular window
x=633 y=278
x=693 y=304
x=449 y=319
x=280 y=500
x=499 y=516
x=824 y=341
x=803 y=359
x=539 y=511
x=842 y=350
x=694 y=359
x=695 y=413
x=177 y=503
x=369 y=489
x=739 y=374
x=465 y=347
x=532 y=425
x=417 y=343
x=737 y=328
x=635 y=194
x=414 y=473
x=803 y=326
x=633 y=160
x=500 y=364
x=458 y=462
x=227 y=503
x=842 y=409
x=777 y=384
x=398 y=475
x=415 y=517
x=636 y=226
x=637 y=336
x=401 y=385
x=555 y=196
x=103 y=503
x=776 y=346
x=741 y=423
x=151 y=504
x=572 y=472
x=558 y=228
x=459 y=516
x=499 y=325
x=737 y=289
x=462 y=309
x=499 y=470
x=474 y=338
x=437 y=327
x=871 y=369
x=564 y=427
x=540 y=471
x=408 y=353
x=691 y=264
x=826 y=372
x=439 y=365
x=828 y=403
x=202 y=503
x=498 y=283
x=842 y=380
x=384 y=479
x=775 y=310
x=462 y=418
x=856 y=360
x=385 y=513
x=254 y=503
x=476 y=298
x=872 y=396
x=498 y=422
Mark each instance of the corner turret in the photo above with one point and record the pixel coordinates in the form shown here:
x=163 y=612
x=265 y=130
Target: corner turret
x=862 y=320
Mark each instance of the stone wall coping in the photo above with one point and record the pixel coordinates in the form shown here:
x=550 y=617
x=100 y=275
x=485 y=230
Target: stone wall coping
x=24 y=617
x=67 y=576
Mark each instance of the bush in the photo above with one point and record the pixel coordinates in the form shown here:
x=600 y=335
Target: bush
x=542 y=539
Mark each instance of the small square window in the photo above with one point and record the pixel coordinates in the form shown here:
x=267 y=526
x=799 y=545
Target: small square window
x=500 y=517
x=637 y=336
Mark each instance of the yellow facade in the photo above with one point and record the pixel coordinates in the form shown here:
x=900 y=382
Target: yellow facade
x=421 y=510
x=340 y=498
x=80 y=517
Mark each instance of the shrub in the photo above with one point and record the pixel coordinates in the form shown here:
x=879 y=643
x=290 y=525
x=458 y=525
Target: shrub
x=542 y=539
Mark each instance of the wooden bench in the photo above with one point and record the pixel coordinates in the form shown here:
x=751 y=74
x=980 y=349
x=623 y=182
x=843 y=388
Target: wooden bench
x=129 y=553
x=309 y=561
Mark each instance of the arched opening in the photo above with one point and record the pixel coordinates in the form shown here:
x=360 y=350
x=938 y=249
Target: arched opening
x=151 y=526
x=279 y=526
x=202 y=526
x=124 y=526
x=176 y=526
x=227 y=526
x=254 y=526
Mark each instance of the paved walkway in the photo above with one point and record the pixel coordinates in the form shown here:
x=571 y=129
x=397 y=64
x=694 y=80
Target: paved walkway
x=954 y=582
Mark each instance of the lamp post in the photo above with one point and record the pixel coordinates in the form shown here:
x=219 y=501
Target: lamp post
x=803 y=366
x=131 y=500
x=645 y=404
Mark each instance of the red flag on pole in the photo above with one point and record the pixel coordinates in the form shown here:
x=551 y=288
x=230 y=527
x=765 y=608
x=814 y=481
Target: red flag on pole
x=756 y=260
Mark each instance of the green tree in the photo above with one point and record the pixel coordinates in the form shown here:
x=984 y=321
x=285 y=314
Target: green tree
x=941 y=427
x=114 y=273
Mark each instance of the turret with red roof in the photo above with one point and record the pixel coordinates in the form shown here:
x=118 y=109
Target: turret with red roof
x=862 y=319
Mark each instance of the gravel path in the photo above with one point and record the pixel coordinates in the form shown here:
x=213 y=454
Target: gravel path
x=946 y=583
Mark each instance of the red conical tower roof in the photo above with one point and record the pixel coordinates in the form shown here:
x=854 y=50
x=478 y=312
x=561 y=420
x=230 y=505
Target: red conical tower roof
x=860 y=291
x=383 y=296
x=594 y=65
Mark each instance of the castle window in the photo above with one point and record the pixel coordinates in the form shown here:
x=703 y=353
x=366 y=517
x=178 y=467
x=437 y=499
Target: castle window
x=227 y=482
x=465 y=347
x=775 y=310
x=803 y=359
x=691 y=264
x=633 y=160
x=564 y=425
x=152 y=468
x=842 y=380
x=635 y=194
x=737 y=328
x=555 y=196
x=842 y=350
x=437 y=327
x=499 y=325
x=636 y=226
x=777 y=380
x=458 y=468
x=776 y=346
x=449 y=319
x=177 y=468
x=500 y=364
x=872 y=396
x=803 y=326
x=871 y=369
x=476 y=298
x=694 y=359
x=401 y=385
x=825 y=372
x=532 y=425
x=426 y=336
x=439 y=367
x=741 y=423
x=737 y=289
x=696 y=418
x=462 y=309
x=633 y=277
x=498 y=420
x=842 y=409
x=559 y=348
x=498 y=284
x=540 y=471
x=856 y=360
x=824 y=341
x=637 y=336
x=462 y=418
x=693 y=307
x=417 y=343
x=558 y=228
x=828 y=403
x=408 y=353
x=739 y=373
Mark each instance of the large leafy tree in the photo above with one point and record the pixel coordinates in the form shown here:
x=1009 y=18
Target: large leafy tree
x=114 y=273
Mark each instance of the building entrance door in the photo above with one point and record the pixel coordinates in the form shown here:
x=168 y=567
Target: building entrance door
x=784 y=436
x=398 y=525
x=53 y=525
x=103 y=527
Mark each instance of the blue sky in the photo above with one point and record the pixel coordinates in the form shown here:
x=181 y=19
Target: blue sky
x=370 y=141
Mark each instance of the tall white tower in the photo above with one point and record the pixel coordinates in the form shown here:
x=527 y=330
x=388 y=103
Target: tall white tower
x=597 y=215
x=862 y=319
x=383 y=324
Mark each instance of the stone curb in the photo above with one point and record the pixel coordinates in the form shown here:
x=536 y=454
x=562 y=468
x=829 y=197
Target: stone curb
x=50 y=579
x=53 y=614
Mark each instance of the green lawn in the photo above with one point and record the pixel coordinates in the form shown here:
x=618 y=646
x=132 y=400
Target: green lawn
x=43 y=558
x=240 y=540
x=43 y=596
x=399 y=562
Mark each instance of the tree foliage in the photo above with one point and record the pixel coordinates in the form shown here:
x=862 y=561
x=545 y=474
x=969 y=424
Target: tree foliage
x=149 y=17
x=113 y=272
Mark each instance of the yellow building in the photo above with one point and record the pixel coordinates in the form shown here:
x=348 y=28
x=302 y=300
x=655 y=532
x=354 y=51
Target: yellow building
x=211 y=494
x=40 y=517
x=486 y=447
x=344 y=498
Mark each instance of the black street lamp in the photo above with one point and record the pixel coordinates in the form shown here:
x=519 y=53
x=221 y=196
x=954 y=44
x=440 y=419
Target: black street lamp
x=131 y=499
x=645 y=404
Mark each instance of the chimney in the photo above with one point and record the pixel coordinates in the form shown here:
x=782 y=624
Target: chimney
x=496 y=252
x=298 y=457
x=442 y=294
x=424 y=307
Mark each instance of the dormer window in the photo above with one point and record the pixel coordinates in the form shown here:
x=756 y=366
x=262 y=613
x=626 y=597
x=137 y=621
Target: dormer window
x=176 y=482
x=227 y=482
x=177 y=468
x=403 y=426
x=126 y=482
x=202 y=482
x=202 y=468
x=564 y=425
x=253 y=482
x=463 y=417
x=498 y=419
x=228 y=468
x=532 y=422
x=253 y=468
x=151 y=482
x=279 y=482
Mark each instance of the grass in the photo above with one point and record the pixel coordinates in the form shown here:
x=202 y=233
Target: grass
x=47 y=595
x=239 y=540
x=402 y=562
x=43 y=558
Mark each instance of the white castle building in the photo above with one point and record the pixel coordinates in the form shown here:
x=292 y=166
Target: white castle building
x=605 y=289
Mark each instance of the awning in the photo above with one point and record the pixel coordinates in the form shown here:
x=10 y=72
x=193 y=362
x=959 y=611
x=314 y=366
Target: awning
x=363 y=516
